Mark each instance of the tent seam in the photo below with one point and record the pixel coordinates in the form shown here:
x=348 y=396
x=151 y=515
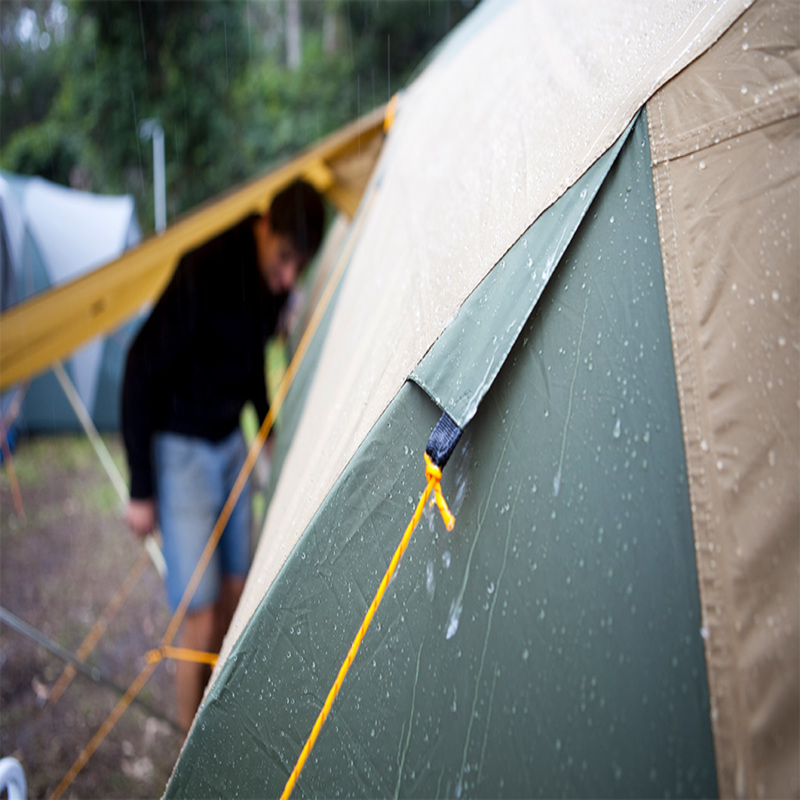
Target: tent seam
x=722 y=130
x=724 y=716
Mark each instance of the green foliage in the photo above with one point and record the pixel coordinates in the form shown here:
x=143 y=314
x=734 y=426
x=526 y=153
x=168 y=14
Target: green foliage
x=212 y=71
x=30 y=58
x=284 y=110
x=47 y=148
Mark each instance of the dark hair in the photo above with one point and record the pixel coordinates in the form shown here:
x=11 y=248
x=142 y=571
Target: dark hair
x=297 y=212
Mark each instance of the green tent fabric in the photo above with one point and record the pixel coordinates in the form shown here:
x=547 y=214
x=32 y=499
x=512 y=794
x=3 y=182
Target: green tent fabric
x=551 y=644
x=473 y=347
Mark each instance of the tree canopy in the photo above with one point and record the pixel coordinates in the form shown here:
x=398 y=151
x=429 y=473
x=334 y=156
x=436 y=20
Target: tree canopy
x=236 y=85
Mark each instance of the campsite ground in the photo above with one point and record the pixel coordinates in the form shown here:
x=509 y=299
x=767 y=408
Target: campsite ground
x=59 y=567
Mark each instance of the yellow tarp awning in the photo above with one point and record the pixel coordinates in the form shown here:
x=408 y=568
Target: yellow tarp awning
x=46 y=328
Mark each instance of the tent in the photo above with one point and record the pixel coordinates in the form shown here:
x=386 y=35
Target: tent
x=51 y=235
x=580 y=244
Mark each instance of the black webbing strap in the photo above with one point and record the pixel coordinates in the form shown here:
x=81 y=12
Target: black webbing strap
x=443 y=440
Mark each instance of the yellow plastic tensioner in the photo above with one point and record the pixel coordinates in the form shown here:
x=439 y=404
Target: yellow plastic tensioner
x=180 y=654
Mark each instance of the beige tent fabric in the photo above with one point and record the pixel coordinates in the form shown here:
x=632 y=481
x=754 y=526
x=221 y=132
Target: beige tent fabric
x=518 y=105
x=725 y=138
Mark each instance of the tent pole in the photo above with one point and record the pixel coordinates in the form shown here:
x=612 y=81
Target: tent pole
x=152 y=129
x=99 y=445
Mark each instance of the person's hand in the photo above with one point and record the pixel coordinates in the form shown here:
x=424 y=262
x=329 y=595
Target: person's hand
x=141 y=516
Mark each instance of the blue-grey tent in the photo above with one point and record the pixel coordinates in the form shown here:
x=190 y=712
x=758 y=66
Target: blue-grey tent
x=52 y=235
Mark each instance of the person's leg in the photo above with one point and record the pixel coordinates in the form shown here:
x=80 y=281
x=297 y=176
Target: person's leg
x=231 y=593
x=189 y=486
x=235 y=545
x=197 y=633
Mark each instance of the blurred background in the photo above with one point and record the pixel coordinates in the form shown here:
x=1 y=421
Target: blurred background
x=237 y=85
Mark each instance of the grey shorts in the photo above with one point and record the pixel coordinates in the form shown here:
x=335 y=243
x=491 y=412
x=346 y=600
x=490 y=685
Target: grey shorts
x=193 y=480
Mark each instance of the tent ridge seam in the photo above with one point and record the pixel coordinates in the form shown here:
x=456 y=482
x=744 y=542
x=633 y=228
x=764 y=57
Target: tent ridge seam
x=722 y=130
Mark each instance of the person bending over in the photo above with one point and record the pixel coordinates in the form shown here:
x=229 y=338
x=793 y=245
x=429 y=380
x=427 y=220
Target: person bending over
x=196 y=361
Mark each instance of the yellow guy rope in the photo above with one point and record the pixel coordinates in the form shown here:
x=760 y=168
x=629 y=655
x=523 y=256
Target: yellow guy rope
x=172 y=629
x=434 y=476
x=100 y=626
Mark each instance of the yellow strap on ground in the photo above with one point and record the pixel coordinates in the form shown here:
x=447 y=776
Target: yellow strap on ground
x=434 y=476
x=181 y=654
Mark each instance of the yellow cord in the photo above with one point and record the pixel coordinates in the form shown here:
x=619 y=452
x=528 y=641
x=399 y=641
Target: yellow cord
x=100 y=626
x=103 y=731
x=434 y=476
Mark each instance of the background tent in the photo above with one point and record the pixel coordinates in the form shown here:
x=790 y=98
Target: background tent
x=581 y=243
x=52 y=235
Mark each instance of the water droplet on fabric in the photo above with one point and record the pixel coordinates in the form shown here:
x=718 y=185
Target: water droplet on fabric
x=455 y=615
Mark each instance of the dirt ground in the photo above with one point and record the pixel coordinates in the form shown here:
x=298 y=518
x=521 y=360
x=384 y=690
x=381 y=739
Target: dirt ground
x=60 y=565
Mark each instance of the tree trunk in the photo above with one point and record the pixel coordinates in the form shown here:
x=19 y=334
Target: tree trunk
x=330 y=27
x=294 y=50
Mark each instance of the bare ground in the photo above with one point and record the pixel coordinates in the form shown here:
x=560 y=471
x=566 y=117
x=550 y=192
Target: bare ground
x=60 y=565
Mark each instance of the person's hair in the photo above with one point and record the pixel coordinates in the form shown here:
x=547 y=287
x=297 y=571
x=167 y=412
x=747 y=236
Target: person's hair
x=297 y=212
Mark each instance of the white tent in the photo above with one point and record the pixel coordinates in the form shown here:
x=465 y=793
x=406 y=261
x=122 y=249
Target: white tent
x=52 y=235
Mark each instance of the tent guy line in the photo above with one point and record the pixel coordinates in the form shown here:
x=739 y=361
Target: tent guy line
x=433 y=474
x=74 y=661
x=150 y=551
x=100 y=626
